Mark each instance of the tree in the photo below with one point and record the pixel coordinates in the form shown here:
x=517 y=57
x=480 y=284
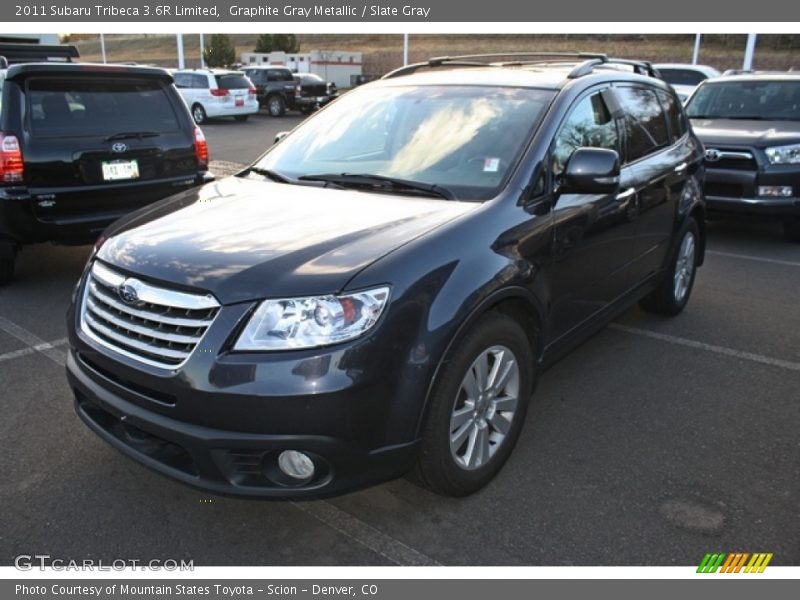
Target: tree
x=220 y=52
x=286 y=42
x=264 y=43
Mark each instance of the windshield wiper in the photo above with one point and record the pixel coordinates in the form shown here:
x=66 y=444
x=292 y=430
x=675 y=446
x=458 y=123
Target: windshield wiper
x=125 y=135
x=382 y=183
x=279 y=177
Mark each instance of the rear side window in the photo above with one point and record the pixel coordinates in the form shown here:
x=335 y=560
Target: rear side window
x=200 y=81
x=645 y=122
x=234 y=81
x=590 y=124
x=280 y=75
x=676 y=123
x=80 y=107
x=682 y=76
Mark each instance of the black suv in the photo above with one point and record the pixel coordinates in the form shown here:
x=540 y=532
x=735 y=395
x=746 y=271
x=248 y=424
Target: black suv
x=83 y=144
x=274 y=88
x=750 y=126
x=381 y=289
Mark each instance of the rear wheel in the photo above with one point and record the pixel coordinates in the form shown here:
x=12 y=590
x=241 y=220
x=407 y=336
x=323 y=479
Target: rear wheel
x=8 y=255
x=478 y=408
x=199 y=114
x=672 y=295
x=791 y=230
x=276 y=106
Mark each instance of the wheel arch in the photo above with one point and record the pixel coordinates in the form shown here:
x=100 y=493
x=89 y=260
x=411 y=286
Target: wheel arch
x=515 y=302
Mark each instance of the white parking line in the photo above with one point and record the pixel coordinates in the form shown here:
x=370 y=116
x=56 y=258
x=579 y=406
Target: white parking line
x=672 y=339
x=390 y=548
x=32 y=350
x=33 y=341
x=774 y=261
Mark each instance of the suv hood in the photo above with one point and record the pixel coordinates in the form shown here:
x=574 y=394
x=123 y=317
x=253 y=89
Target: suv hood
x=732 y=132
x=244 y=239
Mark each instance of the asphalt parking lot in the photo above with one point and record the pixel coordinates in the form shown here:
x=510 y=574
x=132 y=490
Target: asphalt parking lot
x=653 y=443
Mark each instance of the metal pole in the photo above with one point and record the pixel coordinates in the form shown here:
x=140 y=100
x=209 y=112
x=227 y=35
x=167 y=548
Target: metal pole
x=405 y=49
x=181 y=63
x=202 y=52
x=696 y=55
x=749 y=52
x=103 y=47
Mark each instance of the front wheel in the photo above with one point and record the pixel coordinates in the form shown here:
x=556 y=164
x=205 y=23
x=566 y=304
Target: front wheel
x=671 y=296
x=477 y=408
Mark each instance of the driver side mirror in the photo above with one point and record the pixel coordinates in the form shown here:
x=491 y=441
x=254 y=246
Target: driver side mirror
x=280 y=136
x=591 y=171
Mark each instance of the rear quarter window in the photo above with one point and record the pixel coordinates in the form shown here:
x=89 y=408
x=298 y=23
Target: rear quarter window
x=81 y=107
x=677 y=125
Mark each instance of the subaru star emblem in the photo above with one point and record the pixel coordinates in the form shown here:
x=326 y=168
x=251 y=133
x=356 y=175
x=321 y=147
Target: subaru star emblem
x=713 y=155
x=127 y=293
x=119 y=148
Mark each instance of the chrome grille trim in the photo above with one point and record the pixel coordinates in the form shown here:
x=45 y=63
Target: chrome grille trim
x=161 y=328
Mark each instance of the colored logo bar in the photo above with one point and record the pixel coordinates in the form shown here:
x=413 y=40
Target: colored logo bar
x=735 y=562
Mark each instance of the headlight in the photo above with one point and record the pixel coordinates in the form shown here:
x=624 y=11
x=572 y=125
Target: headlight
x=784 y=155
x=292 y=323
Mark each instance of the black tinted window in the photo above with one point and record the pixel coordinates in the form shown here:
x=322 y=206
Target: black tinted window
x=280 y=75
x=589 y=125
x=98 y=106
x=676 y=123
x=645 y=122
x=234 y=81
x=681 y=76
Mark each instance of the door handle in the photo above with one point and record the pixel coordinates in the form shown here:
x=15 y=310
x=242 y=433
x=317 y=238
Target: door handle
x=626 y=194
x=681 y=167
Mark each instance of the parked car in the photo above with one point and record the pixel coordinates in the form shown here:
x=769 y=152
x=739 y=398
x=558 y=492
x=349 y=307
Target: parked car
x=750 y=125
x=311 y=92
x=685 y=77
x=212 y=93
x=83 y=144
x=274 y=87
x=380 y=290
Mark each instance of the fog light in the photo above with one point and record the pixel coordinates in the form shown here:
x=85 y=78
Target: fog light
x=775 y=191
x=296 y=464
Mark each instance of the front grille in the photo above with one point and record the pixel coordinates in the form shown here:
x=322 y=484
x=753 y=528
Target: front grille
x=729 y=159
x=154 y=325
x=728 y=190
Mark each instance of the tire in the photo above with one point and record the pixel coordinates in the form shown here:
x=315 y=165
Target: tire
x=671 y=296
x=276 y=106
x=241 y=117
x=8 y=254
x=199 y=114
x=791 y=230
x=445 y=464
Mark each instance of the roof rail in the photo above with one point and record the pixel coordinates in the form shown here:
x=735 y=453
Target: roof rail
x=587 y=66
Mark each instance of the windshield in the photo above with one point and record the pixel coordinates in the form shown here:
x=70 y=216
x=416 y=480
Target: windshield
x=765 y=100
x=463 y=138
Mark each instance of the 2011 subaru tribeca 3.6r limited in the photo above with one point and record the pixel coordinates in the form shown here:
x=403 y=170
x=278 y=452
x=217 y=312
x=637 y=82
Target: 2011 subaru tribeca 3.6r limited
x=379 y=291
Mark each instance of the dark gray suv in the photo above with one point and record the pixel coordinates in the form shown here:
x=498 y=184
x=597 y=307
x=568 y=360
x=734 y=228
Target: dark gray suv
x=274 y=87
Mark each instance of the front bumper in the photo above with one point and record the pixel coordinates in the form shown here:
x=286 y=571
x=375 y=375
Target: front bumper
x=220 y=461
x=731 y=186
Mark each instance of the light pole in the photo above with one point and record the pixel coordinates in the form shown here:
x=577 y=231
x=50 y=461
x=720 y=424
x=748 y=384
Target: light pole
x=405 y=49
x=749 y=51
x=202 y=52
x=103 y=47
x=696 y=54
x=181 y=63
